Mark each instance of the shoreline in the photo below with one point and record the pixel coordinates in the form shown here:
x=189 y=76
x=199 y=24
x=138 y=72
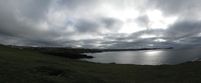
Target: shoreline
x=37 y=67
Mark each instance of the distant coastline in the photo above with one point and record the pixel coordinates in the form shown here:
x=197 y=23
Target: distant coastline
x=74 y=53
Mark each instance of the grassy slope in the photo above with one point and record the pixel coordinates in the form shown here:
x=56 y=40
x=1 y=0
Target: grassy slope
x=21 y=66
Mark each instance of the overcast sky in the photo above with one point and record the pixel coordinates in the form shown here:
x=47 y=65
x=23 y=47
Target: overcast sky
x=101 y=23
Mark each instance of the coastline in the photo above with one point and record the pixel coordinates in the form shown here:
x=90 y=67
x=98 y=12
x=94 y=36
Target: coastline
x=28 y=66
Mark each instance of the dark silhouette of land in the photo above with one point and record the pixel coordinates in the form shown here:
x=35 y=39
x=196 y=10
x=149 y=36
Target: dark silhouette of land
x=76 y=53
x=23 y=65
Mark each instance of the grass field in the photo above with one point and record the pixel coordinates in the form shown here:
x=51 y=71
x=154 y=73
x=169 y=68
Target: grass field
x=26 y=66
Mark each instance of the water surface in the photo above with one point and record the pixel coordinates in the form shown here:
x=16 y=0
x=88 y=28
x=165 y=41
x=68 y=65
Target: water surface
x=147 y=57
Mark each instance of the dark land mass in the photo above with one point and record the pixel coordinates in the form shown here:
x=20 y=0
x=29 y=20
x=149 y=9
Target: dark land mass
x=76 y=53
x=30 y=66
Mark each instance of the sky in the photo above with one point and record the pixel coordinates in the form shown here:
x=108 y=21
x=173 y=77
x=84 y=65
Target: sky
x=101 y=23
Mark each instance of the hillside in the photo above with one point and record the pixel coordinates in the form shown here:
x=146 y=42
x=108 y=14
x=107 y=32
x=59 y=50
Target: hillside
x=27 y=66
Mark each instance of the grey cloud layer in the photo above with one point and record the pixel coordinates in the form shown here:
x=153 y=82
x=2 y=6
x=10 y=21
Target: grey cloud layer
x=82 y=23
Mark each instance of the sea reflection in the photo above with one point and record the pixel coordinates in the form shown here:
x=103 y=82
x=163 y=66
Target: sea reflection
x=153 y=53
x=153 y=57
x=148 y=57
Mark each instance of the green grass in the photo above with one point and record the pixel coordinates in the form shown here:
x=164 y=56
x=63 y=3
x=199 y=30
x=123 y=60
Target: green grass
x=24 y=66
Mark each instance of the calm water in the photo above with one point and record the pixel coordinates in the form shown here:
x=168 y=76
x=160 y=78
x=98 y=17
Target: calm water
x=148 y=57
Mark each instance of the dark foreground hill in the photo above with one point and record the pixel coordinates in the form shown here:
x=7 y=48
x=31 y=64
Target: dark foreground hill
x=27 y=66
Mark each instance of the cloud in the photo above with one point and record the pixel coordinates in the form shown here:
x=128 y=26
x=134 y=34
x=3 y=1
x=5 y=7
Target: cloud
x=184 y=29
x=99 y=23
x=186 y=9
x=143 y=20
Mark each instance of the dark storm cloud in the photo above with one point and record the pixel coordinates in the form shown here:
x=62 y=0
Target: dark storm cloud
x=96 y=26
x=87 y=26
x=185 y=33
x=184 y=29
